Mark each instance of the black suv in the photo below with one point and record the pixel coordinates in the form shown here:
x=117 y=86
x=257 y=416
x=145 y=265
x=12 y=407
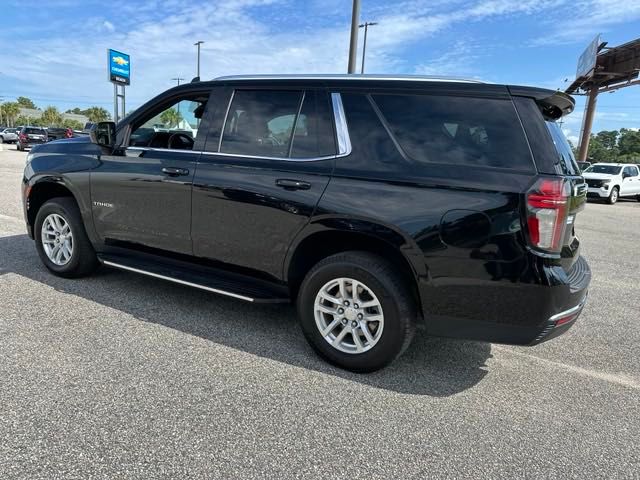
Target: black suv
x=377 y=204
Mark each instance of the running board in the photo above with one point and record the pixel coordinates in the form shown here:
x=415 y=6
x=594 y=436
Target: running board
x=212 y=280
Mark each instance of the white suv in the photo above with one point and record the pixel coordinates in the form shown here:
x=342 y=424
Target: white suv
x=612 y=180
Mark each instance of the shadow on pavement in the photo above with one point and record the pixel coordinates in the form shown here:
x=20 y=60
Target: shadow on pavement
x=431 y=366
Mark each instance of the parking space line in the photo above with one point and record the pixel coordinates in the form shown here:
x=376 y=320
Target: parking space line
x=607 y=377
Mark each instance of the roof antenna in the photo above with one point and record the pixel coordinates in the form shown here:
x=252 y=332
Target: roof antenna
x=195 y=79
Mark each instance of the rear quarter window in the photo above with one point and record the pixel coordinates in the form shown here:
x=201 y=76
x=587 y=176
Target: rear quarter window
x=456 y=130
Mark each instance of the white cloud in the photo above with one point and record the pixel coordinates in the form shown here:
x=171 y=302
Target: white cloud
x=108 y=26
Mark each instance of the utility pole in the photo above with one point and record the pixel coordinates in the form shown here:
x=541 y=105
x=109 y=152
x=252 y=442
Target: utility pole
x=366 y=26
x=197 y=44
x=179 y=79
x=353 y=46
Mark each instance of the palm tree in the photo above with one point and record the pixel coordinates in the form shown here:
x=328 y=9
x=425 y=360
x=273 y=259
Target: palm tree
x=171 y=118
x=10 y=111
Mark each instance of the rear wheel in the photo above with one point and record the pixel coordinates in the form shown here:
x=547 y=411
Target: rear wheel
x=613 y=196
x=356 y=311
x=61 y=240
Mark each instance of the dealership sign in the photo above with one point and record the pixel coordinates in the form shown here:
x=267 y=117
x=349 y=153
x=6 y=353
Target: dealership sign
x=119 y=65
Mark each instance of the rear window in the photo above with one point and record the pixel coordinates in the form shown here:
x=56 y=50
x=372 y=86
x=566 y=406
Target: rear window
x=33 y=131
x=607 y=169
x=457 y=130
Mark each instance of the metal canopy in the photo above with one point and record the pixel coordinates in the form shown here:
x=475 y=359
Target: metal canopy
x=616 y=67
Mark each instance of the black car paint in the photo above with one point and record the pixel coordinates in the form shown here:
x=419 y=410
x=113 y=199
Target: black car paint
x=458 y=228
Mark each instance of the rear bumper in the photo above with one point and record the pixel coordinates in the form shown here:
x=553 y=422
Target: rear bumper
x=511 y=312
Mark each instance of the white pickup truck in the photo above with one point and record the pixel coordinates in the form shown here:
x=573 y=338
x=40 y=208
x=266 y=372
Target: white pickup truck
x=611 y=181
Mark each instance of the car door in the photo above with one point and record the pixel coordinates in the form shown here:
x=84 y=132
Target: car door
x=259 y=181
x=633 y=181
x=627 y=184
x=141 y=194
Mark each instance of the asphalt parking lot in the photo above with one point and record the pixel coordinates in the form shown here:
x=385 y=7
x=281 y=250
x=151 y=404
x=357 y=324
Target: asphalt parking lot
x=123 y=376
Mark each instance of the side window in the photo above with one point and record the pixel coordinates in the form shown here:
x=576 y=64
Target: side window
x=314 y=129
x=261 y=122
x=267 y=123
x=457 y=130
x=175 y=126
x=634 y=171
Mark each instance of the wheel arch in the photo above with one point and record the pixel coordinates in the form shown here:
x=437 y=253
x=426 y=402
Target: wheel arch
x=329 y=236
x=41 y=191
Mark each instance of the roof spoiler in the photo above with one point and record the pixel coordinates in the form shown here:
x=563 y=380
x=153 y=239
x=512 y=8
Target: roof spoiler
x=553 y=103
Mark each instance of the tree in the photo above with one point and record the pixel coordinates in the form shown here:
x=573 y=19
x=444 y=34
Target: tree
x=72 y=124
x=51 y=117
x=96 y=114
x=171 y=118
x=608 y=139
x=76 y=110
x=10 y=111
x=25 y=102
x=629 y=142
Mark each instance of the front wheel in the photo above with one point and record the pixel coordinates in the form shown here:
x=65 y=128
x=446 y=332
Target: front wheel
x=356 y=311
x=613 y=196
x=61 y=240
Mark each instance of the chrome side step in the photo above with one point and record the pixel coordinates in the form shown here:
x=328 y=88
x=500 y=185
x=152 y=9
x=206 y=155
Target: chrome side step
x=177 y=280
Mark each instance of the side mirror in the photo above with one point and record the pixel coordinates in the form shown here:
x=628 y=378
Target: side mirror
x=103 y=134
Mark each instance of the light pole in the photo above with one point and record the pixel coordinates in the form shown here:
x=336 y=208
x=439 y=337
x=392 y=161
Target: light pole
x=366 y=26
x=353 y=46
x=197 y=44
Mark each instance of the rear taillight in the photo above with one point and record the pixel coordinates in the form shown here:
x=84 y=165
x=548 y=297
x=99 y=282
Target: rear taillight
x=547 y=207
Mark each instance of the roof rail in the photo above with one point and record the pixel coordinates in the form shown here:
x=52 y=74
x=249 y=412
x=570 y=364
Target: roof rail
x=409 y=78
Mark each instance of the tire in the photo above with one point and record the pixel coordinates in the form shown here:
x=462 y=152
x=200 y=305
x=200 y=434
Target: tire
x=1 y=139
x=379 y=282
x=83 y=259
x=638 y=198
x=613 y=196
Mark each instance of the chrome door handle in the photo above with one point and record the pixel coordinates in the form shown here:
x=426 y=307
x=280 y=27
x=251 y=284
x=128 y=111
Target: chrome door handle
x=175 y=172
x=289 y=184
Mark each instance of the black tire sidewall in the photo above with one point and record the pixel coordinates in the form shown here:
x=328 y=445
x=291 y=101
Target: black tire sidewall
x=65 y=210
x=394 y=333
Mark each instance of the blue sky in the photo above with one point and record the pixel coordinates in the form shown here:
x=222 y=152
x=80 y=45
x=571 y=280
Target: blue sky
x=55 y=51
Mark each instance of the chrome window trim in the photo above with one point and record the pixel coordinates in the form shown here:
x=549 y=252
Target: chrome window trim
x=154 y=149
x=224 y=122
x=295 y=123
x=342 y=131
x=342 y=134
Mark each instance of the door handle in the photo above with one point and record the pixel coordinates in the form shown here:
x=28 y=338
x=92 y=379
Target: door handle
x=175 y=172
x=289 y=184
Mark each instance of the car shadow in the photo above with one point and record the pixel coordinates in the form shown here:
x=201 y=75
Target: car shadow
x=431 y=366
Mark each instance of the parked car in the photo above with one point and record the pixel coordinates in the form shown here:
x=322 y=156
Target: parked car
x=31 y=136
x=55 y=133
x=8 y=135
x=610 y=181
x=584 y=165
x=376 y=204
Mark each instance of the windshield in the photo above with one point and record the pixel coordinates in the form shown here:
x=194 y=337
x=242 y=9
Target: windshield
x=566 y=160
x=33 y=131
x=608 y=169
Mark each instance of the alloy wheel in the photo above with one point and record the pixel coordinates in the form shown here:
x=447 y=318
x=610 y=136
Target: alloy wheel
x=57 y=239
x=348 y=315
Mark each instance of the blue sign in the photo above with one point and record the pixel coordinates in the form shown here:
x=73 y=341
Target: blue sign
x=119 y=67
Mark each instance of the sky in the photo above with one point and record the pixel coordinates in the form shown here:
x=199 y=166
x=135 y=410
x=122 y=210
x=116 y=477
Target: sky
x=54 y=51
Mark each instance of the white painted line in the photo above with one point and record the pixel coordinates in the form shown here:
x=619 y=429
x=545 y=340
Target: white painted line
x=607 y=377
